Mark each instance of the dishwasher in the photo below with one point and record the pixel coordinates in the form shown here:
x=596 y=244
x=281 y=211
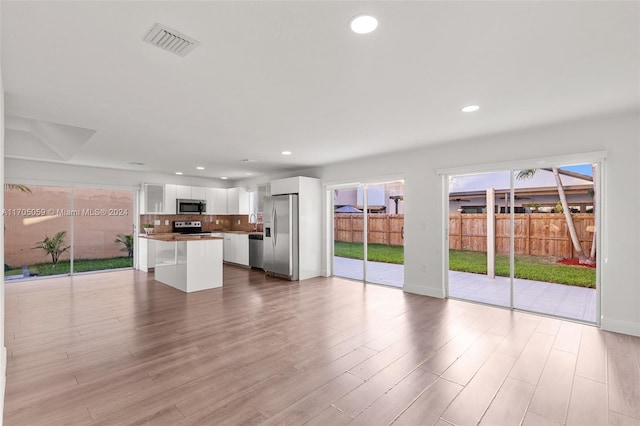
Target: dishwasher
x=255 y=250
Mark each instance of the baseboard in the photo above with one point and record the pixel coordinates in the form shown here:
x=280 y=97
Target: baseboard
x=623 y=327
x=423 y=291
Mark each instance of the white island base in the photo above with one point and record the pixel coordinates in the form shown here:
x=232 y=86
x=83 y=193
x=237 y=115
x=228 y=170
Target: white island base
x=191 y=265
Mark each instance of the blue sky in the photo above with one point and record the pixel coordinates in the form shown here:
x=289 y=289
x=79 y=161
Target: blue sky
x=584 y=169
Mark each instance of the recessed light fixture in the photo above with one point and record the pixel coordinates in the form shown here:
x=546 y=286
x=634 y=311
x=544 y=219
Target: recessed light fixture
x=224 y=177
x=363 y=24
x=200 y=168
x=470 y=108
x=179 y=173
x=248 y=174
x=287 y=152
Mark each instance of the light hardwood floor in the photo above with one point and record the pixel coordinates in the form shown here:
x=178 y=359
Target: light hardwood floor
x=119 y=348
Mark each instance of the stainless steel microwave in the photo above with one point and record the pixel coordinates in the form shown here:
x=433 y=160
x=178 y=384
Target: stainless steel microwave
x=191 y=206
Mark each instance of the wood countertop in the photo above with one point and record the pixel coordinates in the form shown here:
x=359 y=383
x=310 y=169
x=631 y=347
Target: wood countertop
x=178 y=237
x=170 y=236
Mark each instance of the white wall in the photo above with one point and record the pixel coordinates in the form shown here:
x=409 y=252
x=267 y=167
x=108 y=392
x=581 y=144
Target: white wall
x=618 y=135
x=3 y=349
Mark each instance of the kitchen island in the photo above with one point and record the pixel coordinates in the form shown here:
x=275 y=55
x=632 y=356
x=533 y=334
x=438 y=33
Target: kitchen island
x=188 y=263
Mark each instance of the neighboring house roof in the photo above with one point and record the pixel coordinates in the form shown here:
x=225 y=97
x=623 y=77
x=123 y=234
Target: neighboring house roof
x=348 y=209
x=469 y=184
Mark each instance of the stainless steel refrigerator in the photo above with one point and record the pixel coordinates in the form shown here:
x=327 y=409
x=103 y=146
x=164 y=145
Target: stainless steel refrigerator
x=280 y=242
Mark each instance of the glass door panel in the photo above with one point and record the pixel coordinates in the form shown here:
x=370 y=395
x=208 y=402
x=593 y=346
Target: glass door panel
x=385 y=233
x=555 y=222
x=37 y=231
x=348 y=234
x=103 y=229
x=479 y=231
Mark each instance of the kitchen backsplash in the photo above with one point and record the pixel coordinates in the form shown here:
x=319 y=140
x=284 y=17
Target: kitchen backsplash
x=225 y=222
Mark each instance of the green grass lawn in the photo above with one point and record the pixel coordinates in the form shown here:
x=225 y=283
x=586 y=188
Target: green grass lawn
x=376 y=252
x=538 y=268
x=79 y=265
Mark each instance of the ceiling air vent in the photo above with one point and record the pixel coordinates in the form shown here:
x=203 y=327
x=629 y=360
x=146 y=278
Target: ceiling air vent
x=170 y=40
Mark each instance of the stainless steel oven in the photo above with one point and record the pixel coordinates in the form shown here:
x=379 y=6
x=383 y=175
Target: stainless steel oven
x=191 y=206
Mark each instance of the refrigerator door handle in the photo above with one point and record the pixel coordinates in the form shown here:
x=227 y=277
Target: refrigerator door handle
x=274 y=241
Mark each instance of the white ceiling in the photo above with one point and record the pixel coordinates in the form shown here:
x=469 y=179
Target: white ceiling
x=274 y=76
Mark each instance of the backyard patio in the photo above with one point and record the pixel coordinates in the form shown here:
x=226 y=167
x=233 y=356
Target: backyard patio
x=548 y=298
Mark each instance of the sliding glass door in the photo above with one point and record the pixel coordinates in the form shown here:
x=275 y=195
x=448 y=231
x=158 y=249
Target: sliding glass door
x=526 y=239
x=348 y=234
x=52 y=230
x=479 y=237
x=555 y=241
x=369 y=233
x=103 y=229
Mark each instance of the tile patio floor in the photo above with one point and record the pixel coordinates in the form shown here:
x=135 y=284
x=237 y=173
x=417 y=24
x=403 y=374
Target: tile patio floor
x=553 y=299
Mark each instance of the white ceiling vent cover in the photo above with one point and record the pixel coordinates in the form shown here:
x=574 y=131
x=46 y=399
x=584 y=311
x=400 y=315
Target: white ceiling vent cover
x=170 y=40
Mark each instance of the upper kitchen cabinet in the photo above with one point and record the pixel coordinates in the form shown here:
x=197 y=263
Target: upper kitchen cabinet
x=198 y=193
x=294 y=185
x=154 y=199
x=170 y=196
x=263 y=191
x=184 y=192
x=237 y=201
x=216 y=200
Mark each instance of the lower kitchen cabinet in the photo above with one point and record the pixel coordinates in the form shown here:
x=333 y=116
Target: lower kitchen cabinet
x=242 y=249
x=146 y=254
x=236 y=248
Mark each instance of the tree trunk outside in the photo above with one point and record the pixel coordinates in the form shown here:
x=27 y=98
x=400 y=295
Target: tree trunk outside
x=567 y=214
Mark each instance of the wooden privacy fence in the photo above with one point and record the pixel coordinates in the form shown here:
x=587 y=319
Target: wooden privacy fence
x=535 y=234
x=383 y=228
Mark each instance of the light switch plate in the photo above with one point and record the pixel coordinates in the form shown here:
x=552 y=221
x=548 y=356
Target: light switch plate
x=238 y=221
x=217 y=222
x=166 y=221
x=156 y=222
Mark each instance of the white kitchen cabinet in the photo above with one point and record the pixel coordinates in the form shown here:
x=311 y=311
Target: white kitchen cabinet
x=170 y=196
x=237 y=201
x=242 y=249
x=198 y=193
x=221 y=201
x=154 y=199
x=183 y=192
x=263 y=191
x=228 y=249
x=236 y=248
x=146 y=254
x=286 y=186
x=216 y=200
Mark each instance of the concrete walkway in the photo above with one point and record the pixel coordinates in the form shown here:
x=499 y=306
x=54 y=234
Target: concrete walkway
x=548 y=298
x=553 y=299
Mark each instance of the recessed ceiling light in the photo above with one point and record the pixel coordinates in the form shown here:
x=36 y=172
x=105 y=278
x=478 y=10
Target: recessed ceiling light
x=248 y=174
x=224 y=178
x=470 y=108
x=179 y=173
x=363 y=24
x=200 y=168
x=287 y=152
